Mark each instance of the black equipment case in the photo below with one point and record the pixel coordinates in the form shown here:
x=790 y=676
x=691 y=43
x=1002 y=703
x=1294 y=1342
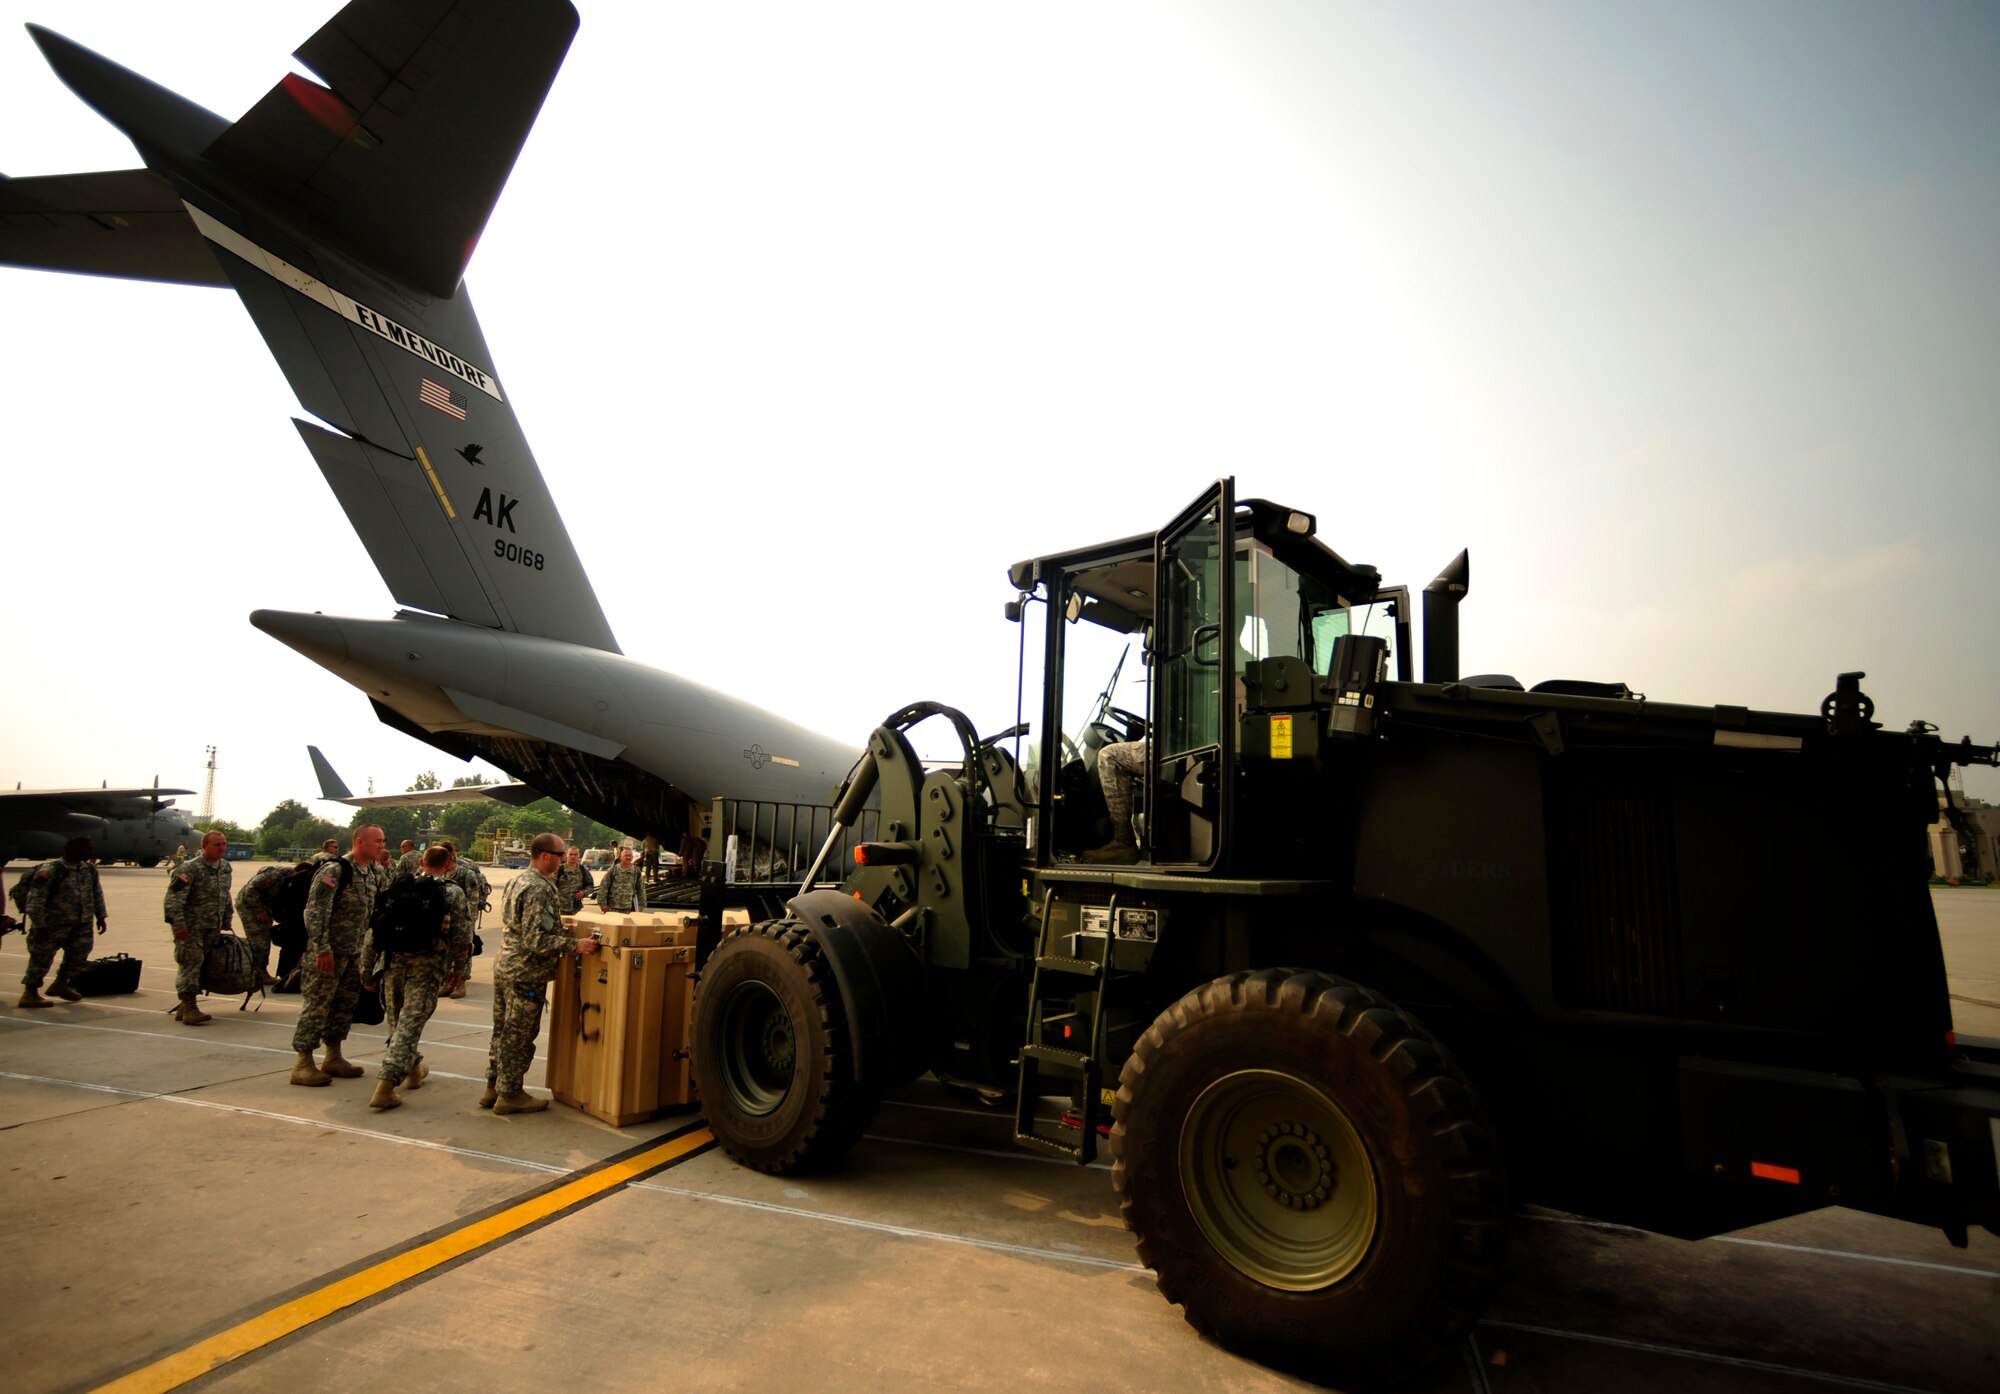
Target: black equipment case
x=108 y=977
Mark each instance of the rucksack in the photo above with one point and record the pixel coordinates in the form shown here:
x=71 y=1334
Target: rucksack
x=18 y=892
x=290 y=908
x=228 y=969
x=409 y=916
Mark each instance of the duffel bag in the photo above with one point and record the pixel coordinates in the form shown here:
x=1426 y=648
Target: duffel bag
x=108 y=977
x=229 y=968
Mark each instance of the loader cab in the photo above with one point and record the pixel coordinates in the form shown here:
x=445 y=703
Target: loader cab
x=1230 y=662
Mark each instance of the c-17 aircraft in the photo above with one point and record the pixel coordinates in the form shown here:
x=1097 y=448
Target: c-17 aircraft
x=127 y=825
x=343 y=212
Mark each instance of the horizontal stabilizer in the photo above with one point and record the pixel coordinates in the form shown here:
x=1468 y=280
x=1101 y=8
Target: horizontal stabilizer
x=127 y=222
x=404 y=151
x=162 y=124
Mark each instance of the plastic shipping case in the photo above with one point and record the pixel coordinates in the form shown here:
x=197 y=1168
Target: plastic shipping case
x=618 y=1019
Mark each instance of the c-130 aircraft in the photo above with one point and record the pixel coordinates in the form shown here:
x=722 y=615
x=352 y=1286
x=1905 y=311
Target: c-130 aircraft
x=343 y=212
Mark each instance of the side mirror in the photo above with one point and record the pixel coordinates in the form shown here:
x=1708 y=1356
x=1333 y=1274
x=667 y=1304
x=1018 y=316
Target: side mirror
x=1013 y=612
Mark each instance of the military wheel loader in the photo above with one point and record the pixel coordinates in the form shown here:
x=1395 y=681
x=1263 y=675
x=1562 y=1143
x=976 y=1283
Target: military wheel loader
x=1387 y=957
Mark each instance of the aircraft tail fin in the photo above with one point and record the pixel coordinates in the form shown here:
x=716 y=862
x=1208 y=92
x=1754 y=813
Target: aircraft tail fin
x=403 y=152
x=400 y=155
x=343 y=215
x=331 y=786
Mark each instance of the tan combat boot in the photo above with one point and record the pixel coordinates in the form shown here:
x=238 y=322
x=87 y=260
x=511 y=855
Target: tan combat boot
x=385 y=1095
x=61 y=988
x=522 y=1102
x=490 y=1097
x=191 y=1015
x=33 y=998
x=419 y=1072
x=338 y=1065
x=307 y=1073
x=1117 y=852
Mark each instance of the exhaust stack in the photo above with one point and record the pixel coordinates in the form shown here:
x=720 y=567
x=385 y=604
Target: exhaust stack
x=1441 y=598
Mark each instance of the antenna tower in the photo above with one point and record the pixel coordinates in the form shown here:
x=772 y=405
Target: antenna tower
x=208 y=788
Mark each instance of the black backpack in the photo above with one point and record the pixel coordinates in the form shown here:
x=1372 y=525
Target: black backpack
x=288 y=915
x=409 y=916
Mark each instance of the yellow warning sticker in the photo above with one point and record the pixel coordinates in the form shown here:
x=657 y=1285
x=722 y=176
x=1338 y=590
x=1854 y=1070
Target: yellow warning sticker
x=1281 y=738
x=1107 y=1097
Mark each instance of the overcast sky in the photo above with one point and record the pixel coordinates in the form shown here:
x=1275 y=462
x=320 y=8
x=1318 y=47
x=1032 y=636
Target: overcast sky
x=1684 y=318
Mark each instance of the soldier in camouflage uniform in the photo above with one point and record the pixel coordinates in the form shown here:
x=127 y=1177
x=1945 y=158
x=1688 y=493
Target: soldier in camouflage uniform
x=622 y=887
x=535 y=944
x=329 y=851
x=64 y=897
x=336 y=923
x=574 y=881
x=410 y=862
x=197 y=909
x=413 y=982
x=257 y=911
x=472 y=881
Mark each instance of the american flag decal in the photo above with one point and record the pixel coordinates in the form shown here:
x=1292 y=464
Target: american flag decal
x=437 y=395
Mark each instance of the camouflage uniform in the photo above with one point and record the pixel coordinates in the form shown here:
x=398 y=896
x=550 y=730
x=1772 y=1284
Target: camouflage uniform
x=621 y=888
x=197 y=901
x=572 y=881
x=1119 y=765
x=64 y=899
x=410 y=986
x=472 y=881
x=409 y=864
x=336 y=922
x=536 y=941
x=257 y=909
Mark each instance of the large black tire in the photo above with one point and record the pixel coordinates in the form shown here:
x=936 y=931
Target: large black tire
x=1309 y=1176
x=771 y=1054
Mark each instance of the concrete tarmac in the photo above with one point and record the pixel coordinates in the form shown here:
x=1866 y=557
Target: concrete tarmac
x=165 y=1184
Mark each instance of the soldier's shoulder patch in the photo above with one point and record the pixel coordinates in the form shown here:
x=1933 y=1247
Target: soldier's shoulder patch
x=43 y=873
x=186 y=878
x=331 y=878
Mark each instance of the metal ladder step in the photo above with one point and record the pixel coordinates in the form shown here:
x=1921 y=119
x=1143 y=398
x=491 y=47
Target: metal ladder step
x=1075 y=967
x=1059 y=1058
x=1065 y=1151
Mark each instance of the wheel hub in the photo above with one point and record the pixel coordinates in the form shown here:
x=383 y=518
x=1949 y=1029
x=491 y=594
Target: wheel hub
x=778 y=1044
x=760 y=1048
x=1294 y=1166
x=1278 y=1180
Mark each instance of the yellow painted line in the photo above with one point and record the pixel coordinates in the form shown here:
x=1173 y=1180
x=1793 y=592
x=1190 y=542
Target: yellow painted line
x=437 y=484
x=281 y=1321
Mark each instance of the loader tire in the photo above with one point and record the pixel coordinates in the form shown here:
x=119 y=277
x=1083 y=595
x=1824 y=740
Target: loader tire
x=770 y=1052
x=1309 y=1176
